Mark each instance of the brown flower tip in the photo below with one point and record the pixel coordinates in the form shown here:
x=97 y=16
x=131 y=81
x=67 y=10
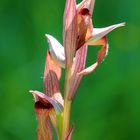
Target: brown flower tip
x=84 y=12
x=40 y=107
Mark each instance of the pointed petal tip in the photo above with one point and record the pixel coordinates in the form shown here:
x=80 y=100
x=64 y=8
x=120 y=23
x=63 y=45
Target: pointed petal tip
x=47 y=35
x=115 y=26
x=34 y=95
x=48 y=38
x=123 y=23
x=31 y=91
x=120 y=24
x=99 y=33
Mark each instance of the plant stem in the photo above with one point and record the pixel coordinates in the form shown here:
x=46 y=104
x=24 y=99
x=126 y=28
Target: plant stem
x=67 y=105
x=66 y=118
x=59 y=119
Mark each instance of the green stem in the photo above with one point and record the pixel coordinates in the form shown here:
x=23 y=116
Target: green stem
x=67 y=105
x=66 y=118
x=59 y=119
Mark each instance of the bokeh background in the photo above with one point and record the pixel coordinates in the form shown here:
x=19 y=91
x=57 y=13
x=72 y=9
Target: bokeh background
x=107 y=104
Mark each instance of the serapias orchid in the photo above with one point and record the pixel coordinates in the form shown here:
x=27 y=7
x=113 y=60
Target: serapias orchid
x=98 y=37
x=78 y=34
x=49 y=106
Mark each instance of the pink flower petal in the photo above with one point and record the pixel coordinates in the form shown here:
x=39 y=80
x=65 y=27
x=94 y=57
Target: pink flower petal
x=99 y=33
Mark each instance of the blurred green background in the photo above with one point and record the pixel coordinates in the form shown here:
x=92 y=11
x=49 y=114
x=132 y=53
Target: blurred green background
x=107 y=104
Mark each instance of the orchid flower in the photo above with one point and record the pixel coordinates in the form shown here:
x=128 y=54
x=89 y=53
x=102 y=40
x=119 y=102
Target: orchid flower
x=97 y=38
x=78 y=34
x=57 y=50
x=49 y=106
x=86 y=35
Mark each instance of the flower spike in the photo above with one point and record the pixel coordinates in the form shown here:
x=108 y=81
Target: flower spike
x=78 y=33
